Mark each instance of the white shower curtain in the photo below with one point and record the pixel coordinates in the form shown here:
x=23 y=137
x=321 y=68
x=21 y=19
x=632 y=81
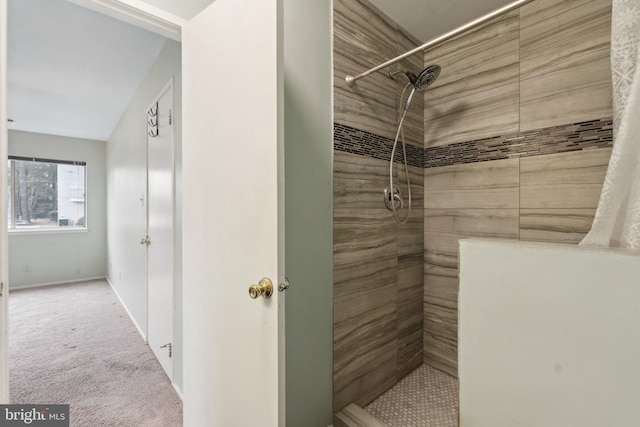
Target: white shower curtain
x=617 y=220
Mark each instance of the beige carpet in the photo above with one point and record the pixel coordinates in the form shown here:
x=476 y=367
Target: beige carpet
x=74 y=344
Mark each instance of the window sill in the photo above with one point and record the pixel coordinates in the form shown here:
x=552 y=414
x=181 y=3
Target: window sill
x=47 y=230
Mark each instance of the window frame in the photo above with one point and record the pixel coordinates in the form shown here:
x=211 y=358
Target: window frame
x=11 y=223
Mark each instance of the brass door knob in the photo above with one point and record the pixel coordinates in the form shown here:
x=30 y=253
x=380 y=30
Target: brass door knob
x=264 y=288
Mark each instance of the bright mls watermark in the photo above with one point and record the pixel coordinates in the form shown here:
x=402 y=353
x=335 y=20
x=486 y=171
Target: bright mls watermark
x=34 y=415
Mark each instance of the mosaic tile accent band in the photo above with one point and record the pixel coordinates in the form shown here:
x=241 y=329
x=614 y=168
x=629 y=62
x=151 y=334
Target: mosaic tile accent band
x=356 y=141
x=552 y=140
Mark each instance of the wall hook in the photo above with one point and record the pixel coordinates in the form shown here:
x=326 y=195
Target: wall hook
x=153 y=113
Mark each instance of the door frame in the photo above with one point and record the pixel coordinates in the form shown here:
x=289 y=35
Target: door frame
x=153 y=19
x=4 y=240
x=134 y=12
x=140 y=14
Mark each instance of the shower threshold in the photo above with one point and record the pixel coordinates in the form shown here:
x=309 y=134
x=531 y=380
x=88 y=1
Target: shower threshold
x=424 y=398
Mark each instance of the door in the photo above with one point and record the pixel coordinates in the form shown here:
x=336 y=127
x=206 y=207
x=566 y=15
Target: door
x=233 y=214
x=160 y=227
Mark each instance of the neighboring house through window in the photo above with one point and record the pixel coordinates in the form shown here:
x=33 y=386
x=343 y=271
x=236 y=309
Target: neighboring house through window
x=46 y=193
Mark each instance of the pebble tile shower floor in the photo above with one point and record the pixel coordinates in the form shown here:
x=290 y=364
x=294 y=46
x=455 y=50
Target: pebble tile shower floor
x=424 y=398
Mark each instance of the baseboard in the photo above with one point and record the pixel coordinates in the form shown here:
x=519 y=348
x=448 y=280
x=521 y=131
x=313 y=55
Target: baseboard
x=178 y=392
x=140 y=331
x=64 y=282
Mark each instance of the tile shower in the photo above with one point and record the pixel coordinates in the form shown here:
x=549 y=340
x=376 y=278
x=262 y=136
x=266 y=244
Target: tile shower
x=512 y=141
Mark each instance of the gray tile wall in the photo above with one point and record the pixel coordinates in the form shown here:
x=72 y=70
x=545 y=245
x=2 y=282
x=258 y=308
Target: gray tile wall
x=513 y=147
x=548 y=78
x=378 y=265
x=565 y=72
x=477 y=93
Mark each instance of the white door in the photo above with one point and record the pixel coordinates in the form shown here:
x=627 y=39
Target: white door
x=160 y=190
x=232 y=214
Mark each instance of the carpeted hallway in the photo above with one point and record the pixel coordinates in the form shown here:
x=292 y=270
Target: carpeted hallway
x=74 y=344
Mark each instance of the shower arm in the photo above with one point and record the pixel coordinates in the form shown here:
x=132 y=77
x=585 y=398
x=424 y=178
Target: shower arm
x=351 y=80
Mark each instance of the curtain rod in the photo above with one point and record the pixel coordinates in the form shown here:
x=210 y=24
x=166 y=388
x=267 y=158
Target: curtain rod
x=351 y=80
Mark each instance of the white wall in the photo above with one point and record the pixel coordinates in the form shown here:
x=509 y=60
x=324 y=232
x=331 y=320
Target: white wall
x=308 y=119
x=548 y=335
x=126 y=185
x=62 y=256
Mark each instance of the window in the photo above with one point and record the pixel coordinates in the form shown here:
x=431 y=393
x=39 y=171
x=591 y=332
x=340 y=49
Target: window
x=46 y=194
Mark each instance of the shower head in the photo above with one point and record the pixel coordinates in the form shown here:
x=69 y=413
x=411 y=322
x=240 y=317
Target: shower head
x=425 y=78
x=419 y=82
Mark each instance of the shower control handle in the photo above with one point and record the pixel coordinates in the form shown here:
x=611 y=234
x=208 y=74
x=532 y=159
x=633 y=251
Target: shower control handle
x=393 y=196
x=398 y=198
x=264 y=288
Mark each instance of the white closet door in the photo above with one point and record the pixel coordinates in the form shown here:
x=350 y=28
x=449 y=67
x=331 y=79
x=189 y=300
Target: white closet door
x=160 y=229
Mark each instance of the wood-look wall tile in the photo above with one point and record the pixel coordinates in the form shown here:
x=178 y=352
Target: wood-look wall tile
x=354 y=310
x=410 y=313
x=361 y=234
x=441 y=290
x=563 y=181
x=416 y=176
x=473 y=222
x=367 y=30
x=495 y=198
x=440 y=353
x=364 y=378
x=411 y=234
x=414 y=123
x=473 y=176
x=573 y=168
x=564 y=62
x=477 y=93
x=370 y=107
x=560 y=196
x=441 y=250
x=362 y=40
x=555 y=225
x=441 y=273
x=441 y=322
x=359 y=276
x=365 y=309
x=485 y=185
x=365 y=337
x=365 y=252
x=358 y=181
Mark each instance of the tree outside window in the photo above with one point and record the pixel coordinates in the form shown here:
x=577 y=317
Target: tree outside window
x=46 y=193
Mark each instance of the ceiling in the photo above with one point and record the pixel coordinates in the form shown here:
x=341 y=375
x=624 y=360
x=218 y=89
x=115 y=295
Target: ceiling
x=72 y=71
x=427 y=19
